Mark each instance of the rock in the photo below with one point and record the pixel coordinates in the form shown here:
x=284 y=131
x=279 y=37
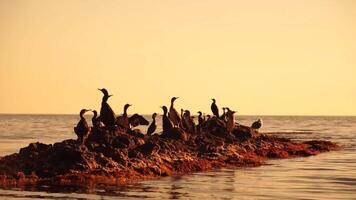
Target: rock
x=131 y=156
x=122 y=142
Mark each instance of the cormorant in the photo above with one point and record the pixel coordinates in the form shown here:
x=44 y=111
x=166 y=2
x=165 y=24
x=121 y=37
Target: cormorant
x=200 y=118
x=136 y=120
x=166 y=122
x=95 y=121
x=200 y=121
x=223 y=116
x=189 y=122
x=107 y=115
x=230 y=120
x=152 y=128
x=173 y=114
x=257 y=124
x=214 y=108
x=123 y=120
x=82 y=129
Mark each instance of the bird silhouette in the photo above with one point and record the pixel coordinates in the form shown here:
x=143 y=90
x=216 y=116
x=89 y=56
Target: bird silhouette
x=214 y=108
x=166 y=122
x=152 y=128
x=173 y=114
x=82 y=129
x=107 y=115
x=123 y=120
x=257 y=124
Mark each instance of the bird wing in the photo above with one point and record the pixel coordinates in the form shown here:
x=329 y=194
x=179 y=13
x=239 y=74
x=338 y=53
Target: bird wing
x=256 y=125
x=174 y=115
x=137 y=119
x=215 y=109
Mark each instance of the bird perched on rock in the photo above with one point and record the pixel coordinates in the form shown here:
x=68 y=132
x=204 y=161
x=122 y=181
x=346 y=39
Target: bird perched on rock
x=123 y=120
x=214 y=108
x=152 y=128
x=173 y=114
x=82 y=129
x=166 y=122
x=95 y=121
x=230 y=120
x=137 y=120
x=257 y=124
x=223 y=116
x=200 y=120
x=107 y=115
x=188 y=122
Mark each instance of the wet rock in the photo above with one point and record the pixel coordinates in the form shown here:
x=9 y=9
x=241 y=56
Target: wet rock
x=131 y=156
x=122 y=142
x=34 y=148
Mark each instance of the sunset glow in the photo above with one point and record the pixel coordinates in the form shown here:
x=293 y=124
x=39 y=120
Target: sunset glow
x=258 y=57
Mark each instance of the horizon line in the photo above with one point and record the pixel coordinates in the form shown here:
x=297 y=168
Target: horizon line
x=276 y=115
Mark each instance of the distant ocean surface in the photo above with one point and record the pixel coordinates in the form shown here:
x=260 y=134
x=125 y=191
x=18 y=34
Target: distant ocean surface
x=329 y=175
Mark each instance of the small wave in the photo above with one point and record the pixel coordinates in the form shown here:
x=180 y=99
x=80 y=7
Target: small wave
x=306 y=130
x=291 y=132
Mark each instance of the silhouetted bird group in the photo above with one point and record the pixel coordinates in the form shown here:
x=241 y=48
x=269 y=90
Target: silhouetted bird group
x=170 y=119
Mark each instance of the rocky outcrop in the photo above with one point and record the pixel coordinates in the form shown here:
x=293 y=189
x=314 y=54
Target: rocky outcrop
x=117 y=157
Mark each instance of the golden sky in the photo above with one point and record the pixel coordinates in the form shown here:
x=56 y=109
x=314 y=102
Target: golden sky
x=278 y=57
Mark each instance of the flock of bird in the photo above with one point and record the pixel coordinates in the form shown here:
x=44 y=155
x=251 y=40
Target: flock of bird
x=170 y=119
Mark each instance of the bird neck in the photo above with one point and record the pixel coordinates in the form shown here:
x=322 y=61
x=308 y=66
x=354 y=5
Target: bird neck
x=125 y=111
x=172 y=103
x=105 y=99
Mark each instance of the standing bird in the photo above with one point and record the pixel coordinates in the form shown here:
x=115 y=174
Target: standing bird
x=200 y=118
x=257 y=124
x=123 y=120
x=223 y=116
x=214 y=108
x=230 y=120
x=173 y=114
x=152 y=128
x=188 y=122
x=95 y=121
x=200 y=121
x=166 y=122
x=82 y=129
x=107 y=115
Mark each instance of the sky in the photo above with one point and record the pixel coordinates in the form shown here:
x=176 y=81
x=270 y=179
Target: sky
x=278 y=57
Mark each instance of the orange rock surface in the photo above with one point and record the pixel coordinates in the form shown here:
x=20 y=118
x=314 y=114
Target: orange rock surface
x=117 y=157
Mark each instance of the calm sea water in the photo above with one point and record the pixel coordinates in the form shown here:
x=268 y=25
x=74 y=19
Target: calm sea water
x=327 y=176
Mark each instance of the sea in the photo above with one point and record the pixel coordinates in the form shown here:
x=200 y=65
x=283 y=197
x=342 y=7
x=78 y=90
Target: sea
x=330 y=175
